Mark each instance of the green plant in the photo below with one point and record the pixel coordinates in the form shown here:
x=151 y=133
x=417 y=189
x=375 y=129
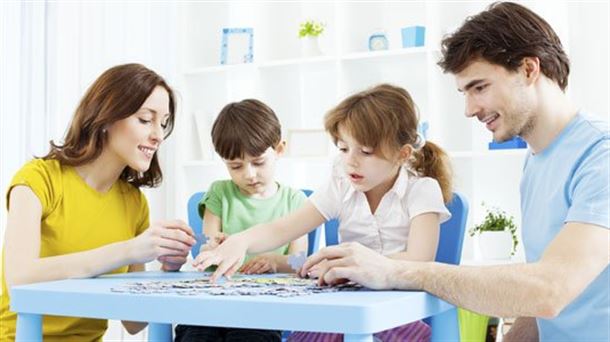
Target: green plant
x=311 y=28
x=497 y=220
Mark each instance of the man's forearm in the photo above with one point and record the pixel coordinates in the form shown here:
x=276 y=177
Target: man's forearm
x=501 y=291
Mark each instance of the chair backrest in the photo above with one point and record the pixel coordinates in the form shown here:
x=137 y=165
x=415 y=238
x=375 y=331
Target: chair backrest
x=331 y=232
x=313 y=237
x=452 y=231
x=196 y=223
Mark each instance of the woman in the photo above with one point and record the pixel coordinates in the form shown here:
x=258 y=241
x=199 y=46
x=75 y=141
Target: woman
x=78 y=211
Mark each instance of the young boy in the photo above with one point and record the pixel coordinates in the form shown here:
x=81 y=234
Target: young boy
x=247 y=135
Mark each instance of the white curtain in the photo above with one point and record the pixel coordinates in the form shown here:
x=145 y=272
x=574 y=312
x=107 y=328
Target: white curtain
x=52 y=51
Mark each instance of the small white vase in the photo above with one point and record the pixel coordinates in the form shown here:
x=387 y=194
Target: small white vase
x=310 y=46
x=495 y=245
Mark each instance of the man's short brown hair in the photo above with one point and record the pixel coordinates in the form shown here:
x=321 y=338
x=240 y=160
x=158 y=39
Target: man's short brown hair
x=245 y=127
x=504 y=34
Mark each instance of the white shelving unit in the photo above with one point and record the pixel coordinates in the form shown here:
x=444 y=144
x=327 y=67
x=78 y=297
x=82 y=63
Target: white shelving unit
x=301 y=90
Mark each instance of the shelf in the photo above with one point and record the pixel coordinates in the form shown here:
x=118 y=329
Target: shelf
x=220 y=69
x=299 y=61
x=521 y=152
x=368 y=55
x=352 y=57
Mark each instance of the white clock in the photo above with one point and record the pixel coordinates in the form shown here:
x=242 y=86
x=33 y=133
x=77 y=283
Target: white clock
x=378 y=41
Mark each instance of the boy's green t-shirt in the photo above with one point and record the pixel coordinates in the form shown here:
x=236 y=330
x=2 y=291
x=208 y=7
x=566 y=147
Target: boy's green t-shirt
x=238 y=212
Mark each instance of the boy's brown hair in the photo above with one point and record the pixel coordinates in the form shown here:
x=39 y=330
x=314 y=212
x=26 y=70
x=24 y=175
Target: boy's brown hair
x=245 y=127
x=385 y=118
x=116 y=94
x=504 y=34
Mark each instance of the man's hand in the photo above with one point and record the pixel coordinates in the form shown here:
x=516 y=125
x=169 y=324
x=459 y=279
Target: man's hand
x=354 y=262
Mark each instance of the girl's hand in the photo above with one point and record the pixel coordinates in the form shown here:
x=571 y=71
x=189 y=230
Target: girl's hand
x=167 y=241
x=264 y=263
x=212 y=242
x=228 y=256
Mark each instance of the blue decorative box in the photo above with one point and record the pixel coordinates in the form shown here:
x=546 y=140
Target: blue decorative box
x=413 y=36
x=515 y=142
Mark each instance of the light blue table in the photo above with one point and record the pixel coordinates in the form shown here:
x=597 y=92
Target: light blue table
x=356 y=314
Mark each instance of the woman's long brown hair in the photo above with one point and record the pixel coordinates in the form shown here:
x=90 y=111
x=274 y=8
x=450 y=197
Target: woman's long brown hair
x=118 y=93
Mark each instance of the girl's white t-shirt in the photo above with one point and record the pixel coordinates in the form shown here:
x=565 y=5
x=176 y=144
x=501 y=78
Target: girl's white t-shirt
x=386 y=231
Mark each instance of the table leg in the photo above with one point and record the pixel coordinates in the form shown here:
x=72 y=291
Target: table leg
x=358 y=338
x=445 y=326
x=159 y=332
x=29 y=327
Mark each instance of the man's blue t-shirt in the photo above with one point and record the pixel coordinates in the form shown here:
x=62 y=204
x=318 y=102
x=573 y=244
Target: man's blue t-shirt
x=568 y=182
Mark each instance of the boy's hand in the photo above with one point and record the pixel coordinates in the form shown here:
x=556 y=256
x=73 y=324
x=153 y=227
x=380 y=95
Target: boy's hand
x=166 y=241
x=213 y=242
x=264 y=263
x=228 y=256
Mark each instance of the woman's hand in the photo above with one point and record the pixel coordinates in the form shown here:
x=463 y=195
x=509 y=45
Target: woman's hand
x=351 y=262
x=172 y=263
x=167 y=241
x=264 y=263
x=228 y=256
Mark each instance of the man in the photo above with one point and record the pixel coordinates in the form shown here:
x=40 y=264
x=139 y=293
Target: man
x=510 y=65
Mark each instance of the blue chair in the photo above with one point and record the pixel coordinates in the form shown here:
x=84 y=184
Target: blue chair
x=196 y=222
x=451 y=238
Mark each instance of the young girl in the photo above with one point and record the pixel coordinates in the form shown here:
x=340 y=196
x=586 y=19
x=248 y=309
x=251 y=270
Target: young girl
x=78 y=212
x=387 y=190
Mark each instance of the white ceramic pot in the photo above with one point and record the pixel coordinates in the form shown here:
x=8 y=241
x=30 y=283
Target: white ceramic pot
x=310 y=46
x=495 y=245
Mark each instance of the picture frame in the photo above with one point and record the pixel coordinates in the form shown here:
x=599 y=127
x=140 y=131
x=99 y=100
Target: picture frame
x=237 y=46
x=308 y=143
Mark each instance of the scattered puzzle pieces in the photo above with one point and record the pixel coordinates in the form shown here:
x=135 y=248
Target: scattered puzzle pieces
x=282 y=285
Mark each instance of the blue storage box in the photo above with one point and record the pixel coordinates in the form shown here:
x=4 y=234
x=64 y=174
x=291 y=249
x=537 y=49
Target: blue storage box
x=413 y=36
x=515 y=142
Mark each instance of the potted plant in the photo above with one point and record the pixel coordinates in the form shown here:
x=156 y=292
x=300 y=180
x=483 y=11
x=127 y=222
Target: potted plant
x=309 y=31
x=497 y=235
